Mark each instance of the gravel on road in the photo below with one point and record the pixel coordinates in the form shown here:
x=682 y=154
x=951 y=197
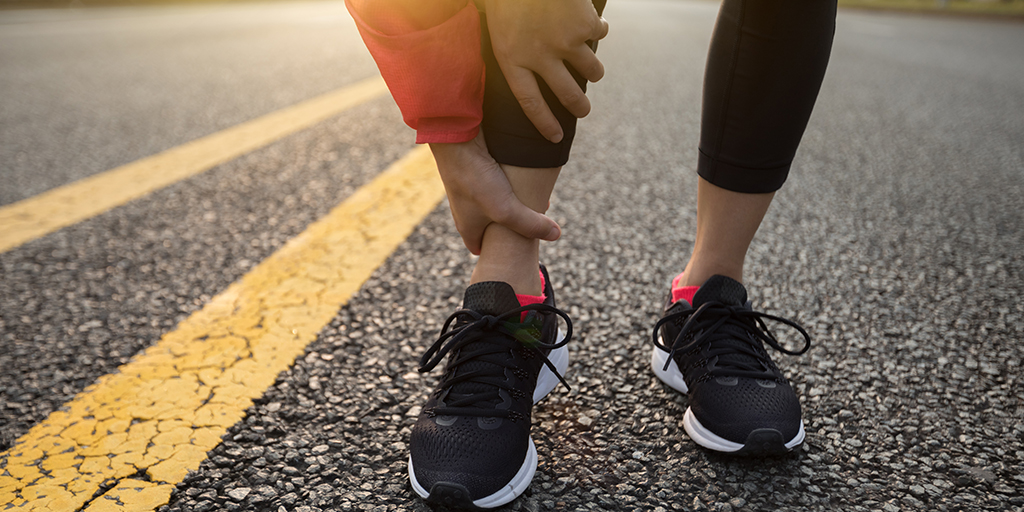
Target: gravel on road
x=898 y=243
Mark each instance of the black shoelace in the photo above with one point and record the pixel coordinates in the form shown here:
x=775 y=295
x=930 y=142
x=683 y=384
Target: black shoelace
x=704 y=326
x=475 y=326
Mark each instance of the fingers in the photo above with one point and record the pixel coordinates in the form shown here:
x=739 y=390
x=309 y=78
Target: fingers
x=523 y=84
x=471 y=225
x=600 y=30
x=472 y=236
x=517 y=217
x=586 y=63
x=566 y=89
x=529 y=223
x=524 y=87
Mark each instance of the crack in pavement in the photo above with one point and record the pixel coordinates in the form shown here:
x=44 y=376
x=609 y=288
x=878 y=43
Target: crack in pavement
x=164 y=410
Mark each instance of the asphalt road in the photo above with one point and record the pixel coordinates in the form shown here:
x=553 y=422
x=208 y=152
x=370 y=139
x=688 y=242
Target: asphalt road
x=88 y=90
x=897 y=242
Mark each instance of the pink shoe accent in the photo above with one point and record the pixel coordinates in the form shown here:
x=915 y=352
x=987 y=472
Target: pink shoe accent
x=526 y=300
x=682 y=292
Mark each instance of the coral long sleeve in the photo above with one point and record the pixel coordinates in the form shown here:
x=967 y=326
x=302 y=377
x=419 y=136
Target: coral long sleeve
x=430 y=59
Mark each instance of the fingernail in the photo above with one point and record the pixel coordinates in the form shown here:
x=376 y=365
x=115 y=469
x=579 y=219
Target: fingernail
x=553 y=234
x=556 y=139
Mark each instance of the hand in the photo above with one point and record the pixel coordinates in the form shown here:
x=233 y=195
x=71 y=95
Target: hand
x=479 y=194
x=540 y=36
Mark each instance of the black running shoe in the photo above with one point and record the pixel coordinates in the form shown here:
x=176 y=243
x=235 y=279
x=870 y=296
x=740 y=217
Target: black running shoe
x=471 y=445
x=714 y=351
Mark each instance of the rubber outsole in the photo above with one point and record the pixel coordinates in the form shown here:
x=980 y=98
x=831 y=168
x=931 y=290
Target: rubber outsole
x=760 y=442
x=454 y=495
x=450 y=495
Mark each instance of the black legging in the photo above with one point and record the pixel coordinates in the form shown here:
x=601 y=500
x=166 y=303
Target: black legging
x=764 y=70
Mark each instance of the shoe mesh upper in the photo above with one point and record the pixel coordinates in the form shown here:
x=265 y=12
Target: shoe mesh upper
x=481 y=460
x=470 y=448
x=488 y=298
x=730 y=292
x=732 y=412
x=734 y=386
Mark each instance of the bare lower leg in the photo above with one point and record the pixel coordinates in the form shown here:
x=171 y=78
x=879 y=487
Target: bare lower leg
x=506 y=255
x=726 y=223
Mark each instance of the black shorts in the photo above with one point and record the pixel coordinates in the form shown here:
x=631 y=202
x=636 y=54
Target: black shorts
x=511 y=137
x=765 y=66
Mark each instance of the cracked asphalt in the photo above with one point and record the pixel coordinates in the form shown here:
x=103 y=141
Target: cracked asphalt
x=897 y=243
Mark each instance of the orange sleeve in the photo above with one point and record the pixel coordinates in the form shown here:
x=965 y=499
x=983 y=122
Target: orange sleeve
x=430 y=59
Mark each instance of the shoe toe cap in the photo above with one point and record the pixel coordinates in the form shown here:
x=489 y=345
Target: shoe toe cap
x=461 y=456
x=734 y=410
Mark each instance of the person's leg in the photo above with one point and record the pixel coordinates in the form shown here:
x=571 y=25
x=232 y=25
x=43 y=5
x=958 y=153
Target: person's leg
x=472 y=445
x=726 y=224
x=472 y=442
x=506 y=255
x=530 y=162
x=511 y=137
x=765 y=67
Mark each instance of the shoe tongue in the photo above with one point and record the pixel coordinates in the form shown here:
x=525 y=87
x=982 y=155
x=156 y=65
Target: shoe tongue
x=720 y=289
x=487 y=298
x=730 y=292
x=490 y=298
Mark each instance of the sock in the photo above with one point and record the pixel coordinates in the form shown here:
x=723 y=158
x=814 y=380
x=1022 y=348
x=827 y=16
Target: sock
x=526 y=300
x=682 y=292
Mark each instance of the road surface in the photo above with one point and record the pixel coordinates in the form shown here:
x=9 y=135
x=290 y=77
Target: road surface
x=897 y=243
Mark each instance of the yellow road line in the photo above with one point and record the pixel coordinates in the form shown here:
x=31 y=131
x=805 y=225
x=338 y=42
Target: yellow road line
x=162 y=411
x=45 y=213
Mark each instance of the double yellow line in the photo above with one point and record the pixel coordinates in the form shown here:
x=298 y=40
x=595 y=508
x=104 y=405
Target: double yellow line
x=159 y=414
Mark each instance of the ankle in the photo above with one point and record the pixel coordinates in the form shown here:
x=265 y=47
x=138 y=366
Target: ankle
x=697 y=275
x=525 y=280
x=511 y=258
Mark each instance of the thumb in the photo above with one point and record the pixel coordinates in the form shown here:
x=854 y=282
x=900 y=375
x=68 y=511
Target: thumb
x=532 y=224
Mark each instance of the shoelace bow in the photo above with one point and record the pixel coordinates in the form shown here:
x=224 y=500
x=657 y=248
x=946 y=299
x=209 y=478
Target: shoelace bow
x=704 y=325
x=477 y=325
